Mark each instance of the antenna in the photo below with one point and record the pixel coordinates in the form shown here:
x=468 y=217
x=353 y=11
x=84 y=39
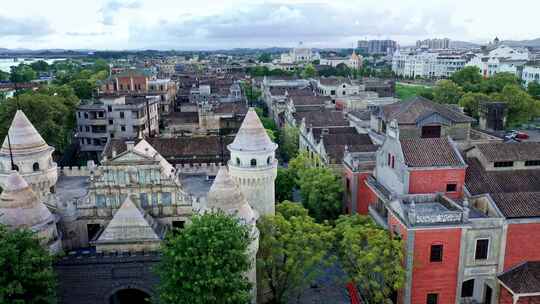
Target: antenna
x=10 y=152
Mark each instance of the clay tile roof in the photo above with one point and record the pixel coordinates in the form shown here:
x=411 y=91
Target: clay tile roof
x=523 y=278
x=430 y=152
x=510 y=151
x=23 y=136
x=416 y=108
x=252 y=135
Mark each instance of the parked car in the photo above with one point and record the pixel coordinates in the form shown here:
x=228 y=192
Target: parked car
x=513 y=134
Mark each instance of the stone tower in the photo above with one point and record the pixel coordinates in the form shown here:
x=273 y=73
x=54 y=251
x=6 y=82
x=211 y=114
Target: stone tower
x=20 y=208
x=253 y=164
x=31 y=155
x=225 y=195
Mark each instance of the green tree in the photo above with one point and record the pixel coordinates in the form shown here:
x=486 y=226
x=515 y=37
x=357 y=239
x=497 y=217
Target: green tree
x=321 y=192
x=40 y=66
x=285 y=184
x=469 y=78
x=309 y=71
x=370 y=256
x=264 y=57
x=292 y=249
x=447 y=91
x=4 y=76
x=300 y=163
x=83 y=88
x=53 y=115
x=471 y=102
x=22 y=73
x=497 y=82
x=206 y=262
x=27 y=275
x=289 y=138
x=534 y=89
x=521 y=106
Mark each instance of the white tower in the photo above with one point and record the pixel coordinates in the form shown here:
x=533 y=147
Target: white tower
x=253 y=164
x=31 y=156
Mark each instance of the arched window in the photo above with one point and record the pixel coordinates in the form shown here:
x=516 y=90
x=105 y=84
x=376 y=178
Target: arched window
x=15 y=167
x=238 y=161
x=35 y=167
x=253 y=162
x=269 y=160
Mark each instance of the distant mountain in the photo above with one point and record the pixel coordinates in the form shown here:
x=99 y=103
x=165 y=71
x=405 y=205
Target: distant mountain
x=463 y=44
x=523 y=43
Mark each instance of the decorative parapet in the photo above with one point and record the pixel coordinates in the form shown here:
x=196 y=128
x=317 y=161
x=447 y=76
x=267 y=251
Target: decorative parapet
x=198 y=168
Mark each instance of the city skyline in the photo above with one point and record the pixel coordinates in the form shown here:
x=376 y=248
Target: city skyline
x=210 y=25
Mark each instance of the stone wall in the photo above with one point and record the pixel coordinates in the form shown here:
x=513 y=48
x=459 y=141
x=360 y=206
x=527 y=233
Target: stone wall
x=88 y=278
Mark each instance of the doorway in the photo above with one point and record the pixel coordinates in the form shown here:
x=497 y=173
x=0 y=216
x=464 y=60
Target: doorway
x=488 y=295
x=431 y=131
x=130 y=296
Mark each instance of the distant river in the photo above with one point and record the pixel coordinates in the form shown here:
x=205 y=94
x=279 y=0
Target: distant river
x=5 y=63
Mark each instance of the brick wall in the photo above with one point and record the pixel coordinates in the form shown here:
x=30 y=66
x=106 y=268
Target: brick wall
x=437 y=277
x=431 y=181
x=92 y=279
x=521 y=244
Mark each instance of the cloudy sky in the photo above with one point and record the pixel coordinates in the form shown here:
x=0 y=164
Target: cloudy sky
x=217 y=24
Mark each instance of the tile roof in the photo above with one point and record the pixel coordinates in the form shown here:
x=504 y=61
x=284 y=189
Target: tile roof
x=310 y=100
x=322 y=118
x=524 y=278
x=230 y=107
x=334 y=81
x=412 y=110
x=430 y=152
x=510 y=151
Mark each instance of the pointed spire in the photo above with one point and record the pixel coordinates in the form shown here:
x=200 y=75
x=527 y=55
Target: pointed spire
x=225 y=195
x=252 y=135
x=20 y=206
x=128 y=225
x=23 y=137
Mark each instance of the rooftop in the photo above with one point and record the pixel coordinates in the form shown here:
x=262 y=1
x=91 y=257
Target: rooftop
x=430 y=152
x=495 y=152
x=522 y=279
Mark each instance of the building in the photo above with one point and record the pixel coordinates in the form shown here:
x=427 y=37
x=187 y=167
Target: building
x=374 y=47
x=115 y=117
x=501 y=59
x=426 y=64
x=354 y=61
x=299 y=54
x=433 y=44
x=112 y=218
x=337 y=86
x=531 y=73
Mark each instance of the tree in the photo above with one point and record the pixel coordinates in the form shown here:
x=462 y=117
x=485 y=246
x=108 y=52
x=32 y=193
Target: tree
x=264 y=57
x=83 y=88
x=447 y=91
x=497 y=82
x=27 y=275
x=309 y=71
x=40 y=66
x=469 y=78
x=206 y=262
x=4 y=76
x=289 y=142
x=22 y=73
x=300 y=163
x=50 y=112
x=321 y=192
x=292 y=250
x=285 y=184
x=534 y=89
x=371 y=257
x=521 y=106
x=471 y=103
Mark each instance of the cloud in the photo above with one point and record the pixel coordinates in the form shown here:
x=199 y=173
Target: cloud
x=112 y=7
x=34 y=26
x=87 y=34
x=279 y=23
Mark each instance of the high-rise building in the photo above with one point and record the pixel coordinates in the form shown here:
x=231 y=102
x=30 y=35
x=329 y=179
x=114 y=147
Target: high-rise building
x=435 y=43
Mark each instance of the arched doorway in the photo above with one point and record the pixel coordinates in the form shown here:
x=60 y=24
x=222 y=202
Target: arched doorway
x=129 y=296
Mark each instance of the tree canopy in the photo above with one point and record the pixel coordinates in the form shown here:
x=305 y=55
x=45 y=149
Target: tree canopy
x=22 y=73
x=534 y=89
x=206 y=262
x=264 y=57
x=292 y=249
x=27 y=275
x=371 y=257
x=448 y=92
x=285 y=184
x=288 y=145
x=521 y=106
x=321 y=191
x=469 y=78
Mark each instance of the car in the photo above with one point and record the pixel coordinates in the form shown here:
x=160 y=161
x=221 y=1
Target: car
x=522 y=135
x=513 y=134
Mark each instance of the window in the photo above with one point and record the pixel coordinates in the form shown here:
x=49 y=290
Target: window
x=253 y=162
x=79 y=114
x=532 y=163
x=144 y=199
x=122 y=115
x=101 y=200
x=269 y=160
x=482 y=249
x=451 y=187
x=503 y=164
x=432 y=298
x=85 y=115
x=154 y=199
x=389 y=159
x=178 y=224
x=393 y=162
x=15 y=167
x=110 y=121
x=109 y=108
x=35 y=167
x=467 y=289
x=436 y=253
x=166 y=198
x=123 y=128
x=238 y=161
x=333 y=92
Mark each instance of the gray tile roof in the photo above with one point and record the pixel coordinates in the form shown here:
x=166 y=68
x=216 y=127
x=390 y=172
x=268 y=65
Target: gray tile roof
x=412 y=110
x=523 y=278
x=510 y=151
x=430 y=152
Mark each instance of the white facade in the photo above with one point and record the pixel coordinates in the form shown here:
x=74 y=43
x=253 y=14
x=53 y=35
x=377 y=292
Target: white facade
x=354 y=61
x=299 y=54
x=531 y=73
x=501 y=59
x=426 y=64
x=253 y=164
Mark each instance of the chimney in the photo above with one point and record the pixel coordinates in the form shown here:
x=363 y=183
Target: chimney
x=129 y=145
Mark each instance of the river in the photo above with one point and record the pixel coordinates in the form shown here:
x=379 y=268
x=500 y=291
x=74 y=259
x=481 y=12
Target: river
x=5 y=63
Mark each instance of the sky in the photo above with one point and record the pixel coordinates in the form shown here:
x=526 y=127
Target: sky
x=227 y=24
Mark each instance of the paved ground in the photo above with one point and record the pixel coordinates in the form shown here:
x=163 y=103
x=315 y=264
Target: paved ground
x=328 y=289
x=534 y=135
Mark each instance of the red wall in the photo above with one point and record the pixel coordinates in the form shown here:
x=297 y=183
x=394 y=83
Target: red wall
x=521 y=244
x=396 y=225
x=440 y=277
x=365 y=196
x=430 y=181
